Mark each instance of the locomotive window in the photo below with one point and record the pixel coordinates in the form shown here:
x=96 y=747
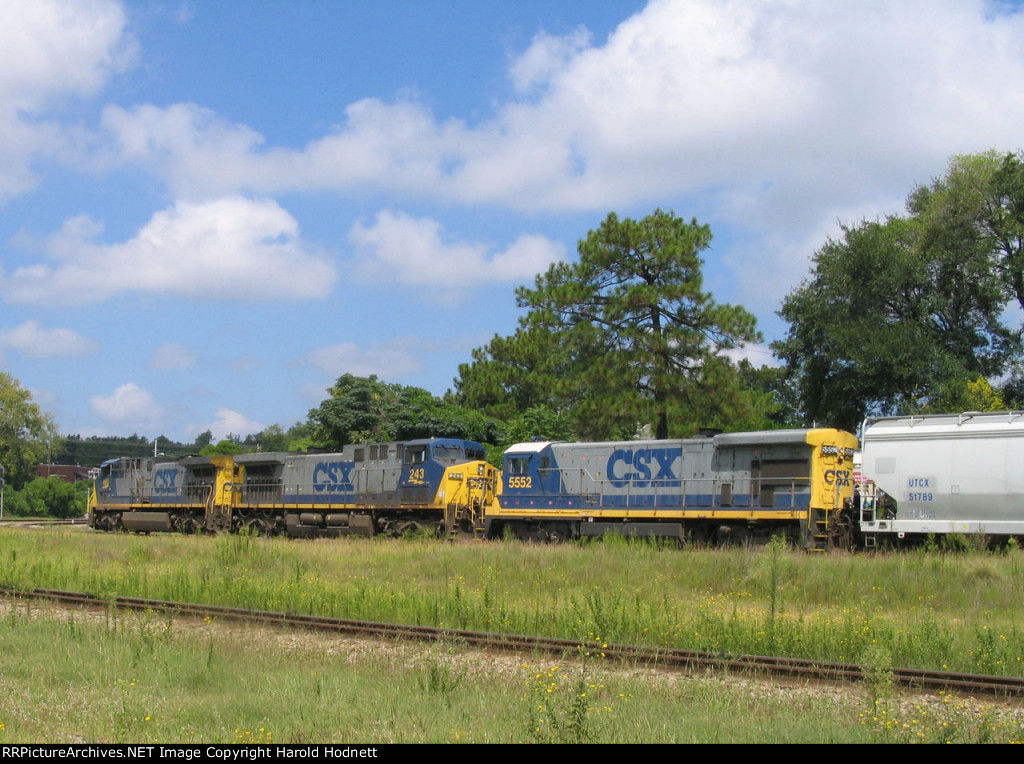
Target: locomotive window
x=451 y=454
x=416 y=455
x=518 y=465
x=545 y=463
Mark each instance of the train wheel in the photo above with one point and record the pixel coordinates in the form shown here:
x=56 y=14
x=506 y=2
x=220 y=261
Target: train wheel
x=732 y=535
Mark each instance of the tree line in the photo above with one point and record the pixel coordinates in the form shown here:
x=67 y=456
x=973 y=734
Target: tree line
x=914 y=313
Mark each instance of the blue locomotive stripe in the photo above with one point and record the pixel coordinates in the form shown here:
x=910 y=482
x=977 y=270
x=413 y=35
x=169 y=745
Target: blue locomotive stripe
x=648 y=501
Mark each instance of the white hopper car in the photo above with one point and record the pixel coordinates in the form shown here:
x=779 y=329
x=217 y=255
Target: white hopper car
x=943 y=473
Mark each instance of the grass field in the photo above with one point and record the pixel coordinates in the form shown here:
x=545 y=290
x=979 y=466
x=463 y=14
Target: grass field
x=150 y=680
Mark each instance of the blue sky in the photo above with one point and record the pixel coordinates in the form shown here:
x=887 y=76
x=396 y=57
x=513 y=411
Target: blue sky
x=210 y=210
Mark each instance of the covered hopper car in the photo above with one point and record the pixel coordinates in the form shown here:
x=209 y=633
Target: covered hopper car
x=942 y=474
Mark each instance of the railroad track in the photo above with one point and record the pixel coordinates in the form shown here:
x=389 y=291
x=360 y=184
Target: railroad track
x=973 y=684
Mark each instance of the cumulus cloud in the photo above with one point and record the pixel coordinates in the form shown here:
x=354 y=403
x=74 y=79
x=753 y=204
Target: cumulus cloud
x=228 y=249
x=198 y=153
x=398 y=248
x=768 y=117
x=546 y=56
x=35 y=342
x=772 y=118
x=173 y=356
x=227 y=422
x=682 y=98
x=128 y=407
x=50 y=50
x=388 y=360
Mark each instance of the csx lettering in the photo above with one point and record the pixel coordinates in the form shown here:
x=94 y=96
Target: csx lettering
x=636 y=467
x=333 y=476
x=837 y=477
x=164 y=481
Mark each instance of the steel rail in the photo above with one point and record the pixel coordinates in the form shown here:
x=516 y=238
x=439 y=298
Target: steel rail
x=918 y=679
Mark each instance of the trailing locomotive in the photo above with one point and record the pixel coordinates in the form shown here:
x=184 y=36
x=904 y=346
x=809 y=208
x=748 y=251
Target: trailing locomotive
x=441 y=485
x=942 y=474
x=734 y=487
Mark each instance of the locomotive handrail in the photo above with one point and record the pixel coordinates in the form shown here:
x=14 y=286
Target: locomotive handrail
x=677 y=488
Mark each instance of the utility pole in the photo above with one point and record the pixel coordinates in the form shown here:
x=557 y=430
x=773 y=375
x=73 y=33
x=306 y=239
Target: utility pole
x=1 y=492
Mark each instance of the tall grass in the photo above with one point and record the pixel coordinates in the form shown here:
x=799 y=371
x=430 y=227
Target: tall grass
x=959 y=611
x=141 y=678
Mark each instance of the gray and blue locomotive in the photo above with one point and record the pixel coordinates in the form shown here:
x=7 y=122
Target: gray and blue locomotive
x=724 y=488
x=441 y=485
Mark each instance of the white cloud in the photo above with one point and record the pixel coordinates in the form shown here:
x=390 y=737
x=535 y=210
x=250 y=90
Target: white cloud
x=767 y=117
x=398 y=248
x=173 y=356
x=830 y=99
x=388 y=360
x=546 y=56
x=227 y=422
x=50 y=50
x=35 y=342
x=198 y=153
x=229 y=249
x=129 y=407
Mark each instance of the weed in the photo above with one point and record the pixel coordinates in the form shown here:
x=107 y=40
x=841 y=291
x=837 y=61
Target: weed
x=442 y=676
x=558 y=706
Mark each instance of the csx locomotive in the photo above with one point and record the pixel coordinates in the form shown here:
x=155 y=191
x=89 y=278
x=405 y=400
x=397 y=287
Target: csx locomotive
x=727 y=487
x=439 y=484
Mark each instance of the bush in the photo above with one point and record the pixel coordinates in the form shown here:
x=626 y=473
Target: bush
x=51 y=496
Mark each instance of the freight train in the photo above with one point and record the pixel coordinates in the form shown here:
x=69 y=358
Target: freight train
x=730 y=487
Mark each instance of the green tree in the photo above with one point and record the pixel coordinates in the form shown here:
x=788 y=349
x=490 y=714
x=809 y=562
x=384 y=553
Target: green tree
x=365 y=409
x=898 y=316
x=977 y=208
x=512 y=374
x=55 y=497
x=273 y=438
x=624 y=337
x=358 y=409
x=539 y=422
x=227 y=447
x=27 y=434
x=774 y=397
